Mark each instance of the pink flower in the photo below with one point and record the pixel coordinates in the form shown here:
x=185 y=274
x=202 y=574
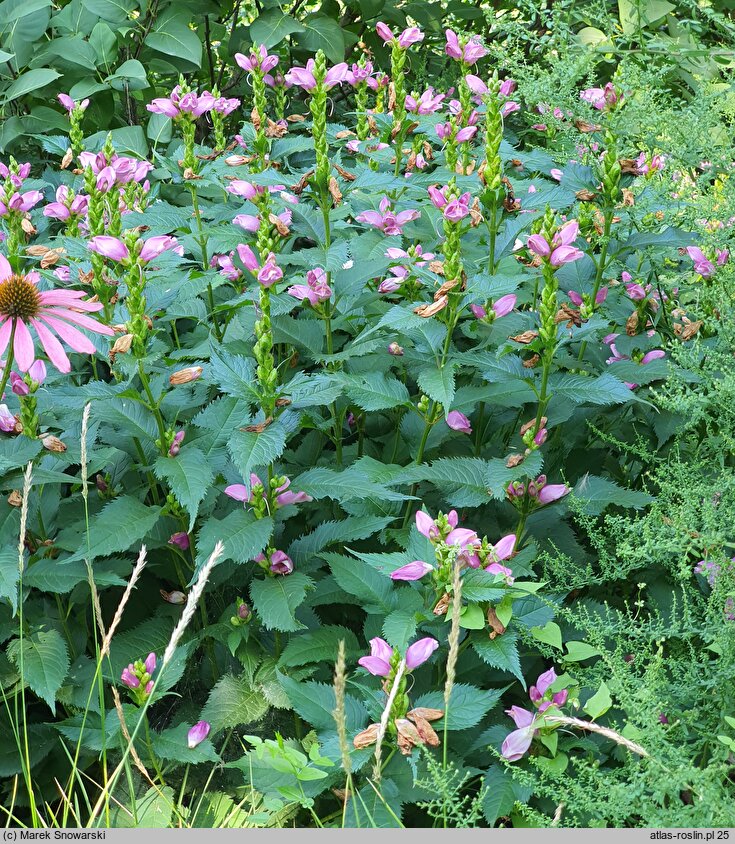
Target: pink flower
x=427 y=103
x=51 y=312
x=656 y=354
x=552 y=492
x=504 y=305
x=7 y=420
x=240 y=187
x=257 y=59
x=478 y=311
x=315 y=290
x=281 y=563
x=521 y=717
x=18 y=385
x=504 y=547
x=497 y=568
x=154 y=246
x=285 y=496
x=538 y=244
x=702 y=265
x=303 y=77
x=457 y=209
x=565 y=255
x=248 y=258
x=197 y=734
x=150 y=663
x=129 y=679
x=426 y=525
x=180 y=540
x=458 y=422
x=555 y=173
x=109 y=247
x=270 y=272
x=379 y=661
x=543 y=683
x=420 y=651
x=601 y=98
x=386 y=220
x=468 y=53
x=516 y=744
x=70 y=104
x=412 y=571
x=464 y=537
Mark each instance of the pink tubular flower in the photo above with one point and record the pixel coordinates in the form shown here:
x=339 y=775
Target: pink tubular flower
x=601 y=98
x=427 y=103
x=420 y=651
x=386 y=220
x=545 y=680
x=552 y=492
x=248 y=258
x=315 y=290
x=257 y=59
x=154 y=246
x=7 y=420
x=538 y=244
x=129 y=679
x=150 y=663
x=303 y=77
x=197 y=734
x=285 y=496
x=426 y=525
x=379 y=661
x=517 y=743
x=109 y=247
x=270 y=272
x=458 y=422
x=702 y=265
x=281 y=563
x=655 y=354
x=468 y=53
x=412 y=571
x=70 y=104
x=457 y=209
x=51 y=312
x=180 y=540
x=175 y=446
x=504 y=305
x=410 y=35
x=249 y=222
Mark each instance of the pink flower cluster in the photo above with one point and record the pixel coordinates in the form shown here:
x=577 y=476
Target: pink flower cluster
x=191 y=105
x=453 y=210
x=386 y=219
x=382 y=656
x=410 y=35
x=284 y=496
x=315 y=290
x=468 y=51
x=516 y=744
x=560 y=251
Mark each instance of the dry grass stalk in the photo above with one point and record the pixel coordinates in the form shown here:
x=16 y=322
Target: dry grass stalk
x=126 y=735
x=340 y=682
x=192 y=601
x=596 y=728
x=385 y=716
x=85 y=428
x=453 y=637
x=137 y=570
x=24 y=516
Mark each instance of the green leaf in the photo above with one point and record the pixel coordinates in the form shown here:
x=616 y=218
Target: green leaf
x=250 y=449
x=30 y=81
x=272 y=27
x=110 y=10
x=468 y=705
x=9 y=576
x=501 y=794
x=233 y=702
x=550 y=634
x=595 y=494
x=480 y=585
x=45 y=661
x=315 y=703
x=152 y=811
x=317 y=646
x=172 y=744
x=501 y=652
x=235 y=374
x=243 y=536
x=172 y=36
x=399 y=626
x=361 y=580
x=376 y=391
x=599 y=703
x=330 y=533
x=602 y=390
x=119 y=526
x=438 y=384
x=189 y=477
x=578 y=651
x=322 y=32
x=276 y=600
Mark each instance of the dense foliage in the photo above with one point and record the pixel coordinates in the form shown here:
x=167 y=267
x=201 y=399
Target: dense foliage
x=367 y=437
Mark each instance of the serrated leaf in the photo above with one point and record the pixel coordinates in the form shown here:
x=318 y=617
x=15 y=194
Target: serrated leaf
x=243 y=536
x=468 y=705
x=360 y=580
x=250 y=449
x=329 y=533
x=376 y=391
x=595 y=494
x=189 y=477
x=235 y=374
x=438 y=384
x=501 y=652
x=315 y=703
x=119 y=526
x=399 y=627
x=602 y=390
x=9 y=576
x=276 y=600
x=233 y=702
x=317 y=646
x=501 y=794
x=45 y=661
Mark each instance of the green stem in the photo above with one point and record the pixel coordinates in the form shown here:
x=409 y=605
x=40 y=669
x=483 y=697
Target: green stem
x=155 y=410
x=205 y=260
x=543 y=399
x=492 y=230
x=600 y=267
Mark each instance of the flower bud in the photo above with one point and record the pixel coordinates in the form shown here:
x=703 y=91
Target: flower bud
x=180 y=540
x=185 y=376
x=395 y=349
x=197 y=734
x=52 y=443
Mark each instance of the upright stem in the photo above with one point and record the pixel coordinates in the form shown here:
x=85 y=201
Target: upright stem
x=9 y=362
x=205 y=261
x=155 y=410
x=609 y=212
